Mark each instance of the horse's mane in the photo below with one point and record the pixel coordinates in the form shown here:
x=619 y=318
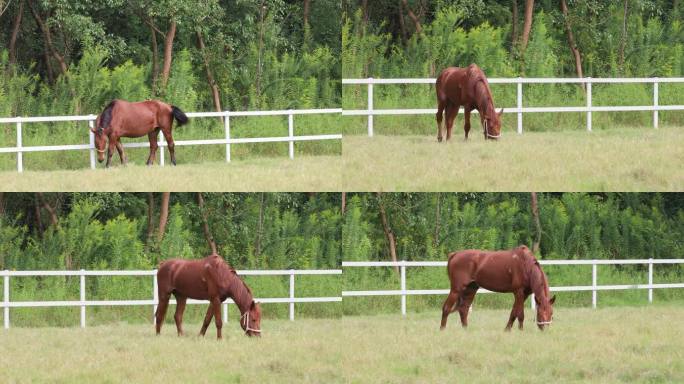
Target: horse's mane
x=538 y=278
x=482 y=92
x=106 y=116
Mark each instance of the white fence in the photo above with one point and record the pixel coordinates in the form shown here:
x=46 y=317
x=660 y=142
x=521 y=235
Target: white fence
x=594 y=287
x=83 y=303
x=19 y=149
x=519 y=109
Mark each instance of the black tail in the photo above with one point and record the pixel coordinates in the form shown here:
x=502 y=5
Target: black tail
x=106 y=116
x=181 y=118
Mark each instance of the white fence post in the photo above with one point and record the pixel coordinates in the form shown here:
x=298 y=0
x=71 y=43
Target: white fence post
x=226 y=128
x=225 y=313
x=589 y=104
x=593 y=284
x=403 y=288
x=20 y=155
x=520 y=103
x=655 y=103
x=160 y=143
x=5 y=295
x=83 y=297
x=155 y=297
x=91 y=135
x=650 y=280
x=292 y=294
x=290 y=132
x=533 y=304
x=370 y=107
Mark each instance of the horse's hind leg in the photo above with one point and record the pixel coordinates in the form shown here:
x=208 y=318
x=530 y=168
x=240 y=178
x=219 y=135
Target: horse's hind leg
x=441 y=106
x=178 y=316
x=161 y=311
x=152 y=136
x=451 y=112
x=170 y=144
x=446 y=308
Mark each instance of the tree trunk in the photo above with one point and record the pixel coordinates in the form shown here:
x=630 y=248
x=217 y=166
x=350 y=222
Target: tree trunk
x=364 y=8
x=260 y=226
x=623 y=40
x=15 y=34
x=344 y=202
x=47 y=36
x=205 y=225
x=514 y=24
x=413 y=17
x=168 y=52
x=438 y=220
x=38 y=216
x=163 y=215
x=571 y=41
x=257 y=82
x=402 y=24
x=389 y=235
x=537 y=223
x=210 y=76
x=150 y=220
x=527 y=25
x=2 y=204
x=155 y=60
x=54 y=221
x=307 y=4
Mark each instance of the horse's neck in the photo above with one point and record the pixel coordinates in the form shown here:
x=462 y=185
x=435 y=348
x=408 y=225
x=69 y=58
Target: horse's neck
x=240 y=294
x=538 y=282
x=486 y=104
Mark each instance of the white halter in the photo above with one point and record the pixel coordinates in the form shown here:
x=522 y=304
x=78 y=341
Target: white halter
x=544 y=322
x=487 y=131
x=245 y=316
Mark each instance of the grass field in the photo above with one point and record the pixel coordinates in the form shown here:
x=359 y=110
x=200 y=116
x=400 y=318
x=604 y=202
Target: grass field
x=304 y=173
x=624 y=344
x=620 y=159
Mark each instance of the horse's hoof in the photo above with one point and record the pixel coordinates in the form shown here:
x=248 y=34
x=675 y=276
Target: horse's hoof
x=439 y=139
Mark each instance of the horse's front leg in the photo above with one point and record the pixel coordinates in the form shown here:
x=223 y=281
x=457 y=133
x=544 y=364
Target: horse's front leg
x=466 y=121
x=521 y=313
x=122 y=154
x=517 y=308
x=217 y=316
x=207 y=319
x=178 y=316
x=110 y=150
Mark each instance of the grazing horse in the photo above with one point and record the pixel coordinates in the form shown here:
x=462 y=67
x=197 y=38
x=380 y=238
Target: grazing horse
x=467 y=87
x=515 y=270
x=210 y=278
x=124 y=119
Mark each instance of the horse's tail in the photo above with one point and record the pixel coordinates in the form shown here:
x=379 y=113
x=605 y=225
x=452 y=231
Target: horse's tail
x=181 y=117
x=106 y=116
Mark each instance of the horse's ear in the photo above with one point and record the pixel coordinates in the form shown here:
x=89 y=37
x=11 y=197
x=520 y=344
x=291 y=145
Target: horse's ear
x=553 y=300
x=92 y=130
x=500 y=112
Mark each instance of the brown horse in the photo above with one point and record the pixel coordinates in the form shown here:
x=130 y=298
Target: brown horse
x=467 y=87
x=515 y=270
x=124 y=119
x=210 y=279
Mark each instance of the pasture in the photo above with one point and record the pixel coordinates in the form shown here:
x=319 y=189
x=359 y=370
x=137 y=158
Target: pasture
x=583 y=345
x=617 y=159
x=303 y=173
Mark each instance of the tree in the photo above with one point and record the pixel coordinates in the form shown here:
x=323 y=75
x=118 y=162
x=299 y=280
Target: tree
x=527 y=24
x=163 y=215
x=537 y=222
x=389 y=234
x=571 y=41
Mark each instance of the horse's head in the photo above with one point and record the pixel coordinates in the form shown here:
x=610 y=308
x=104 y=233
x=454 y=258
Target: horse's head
x=100 y=142
x=251 y=320
x=544 y=311
x=493 y=125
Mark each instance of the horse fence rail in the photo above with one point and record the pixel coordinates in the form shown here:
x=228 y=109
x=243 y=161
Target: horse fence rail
x=594 y=287
x=370 y=111
x=83 y=303
x=19 y=149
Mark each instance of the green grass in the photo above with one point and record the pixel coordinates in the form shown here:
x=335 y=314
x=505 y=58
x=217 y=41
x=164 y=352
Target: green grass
x=583 y=345
x=619 y=159
x=304 y=173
